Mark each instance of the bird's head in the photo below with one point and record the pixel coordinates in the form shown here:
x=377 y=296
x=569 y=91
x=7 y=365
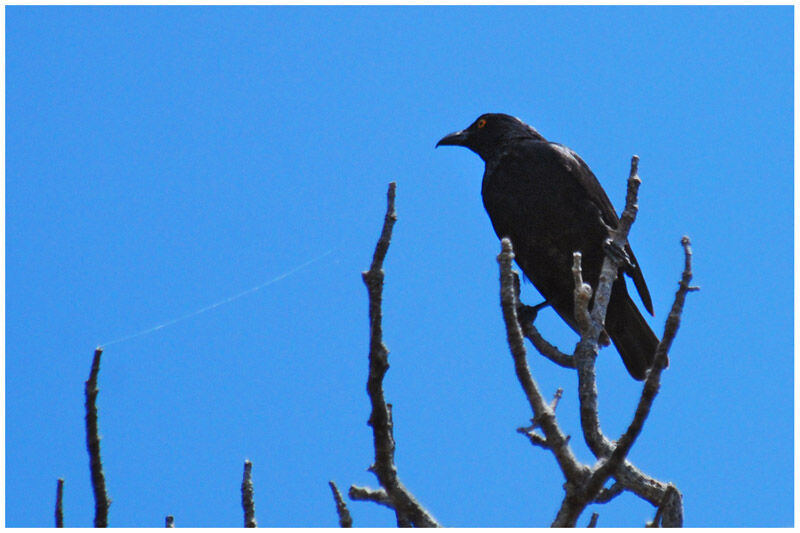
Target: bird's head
x=489 y=133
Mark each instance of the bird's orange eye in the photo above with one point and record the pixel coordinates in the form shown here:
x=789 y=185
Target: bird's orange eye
x=481 y=123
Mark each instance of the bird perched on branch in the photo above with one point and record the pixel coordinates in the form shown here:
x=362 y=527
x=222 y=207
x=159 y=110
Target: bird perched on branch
x=543 y=197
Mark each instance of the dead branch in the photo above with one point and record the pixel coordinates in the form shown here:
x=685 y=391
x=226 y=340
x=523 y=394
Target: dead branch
x=101 y=499
x=248 y=503
x=59 y=503
x=406 y=507
x=543 y=415
x=345 y=520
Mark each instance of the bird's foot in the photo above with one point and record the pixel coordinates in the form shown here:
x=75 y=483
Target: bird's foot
x=527 y=313
x=619 y=255
x=517 y=284
x=604 y=339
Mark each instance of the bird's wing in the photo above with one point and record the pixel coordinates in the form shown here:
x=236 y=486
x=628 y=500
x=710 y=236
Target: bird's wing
x=589 y=182
x=638 y=281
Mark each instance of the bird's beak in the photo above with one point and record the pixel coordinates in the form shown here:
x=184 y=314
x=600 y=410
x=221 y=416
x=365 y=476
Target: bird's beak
x=458 y=138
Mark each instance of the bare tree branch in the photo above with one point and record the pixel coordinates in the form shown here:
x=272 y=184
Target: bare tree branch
x=526 y=315
x=101 y=499
x=584 y=484
x=653 y=381
x=345 y=520
x=407 y=509
x=248 y=503
x=543 y=415
x=593 y=520
x=542 y=346
x=674 y=318
x=588 y=347
x=59 y=503
x=534 y=438
x=611 y=456
x=582 y=490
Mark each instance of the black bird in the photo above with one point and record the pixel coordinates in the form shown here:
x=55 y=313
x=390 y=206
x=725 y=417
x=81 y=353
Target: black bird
x=543 y=197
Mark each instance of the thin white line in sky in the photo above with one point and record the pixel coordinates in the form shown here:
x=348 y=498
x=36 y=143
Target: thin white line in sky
x=215 y=305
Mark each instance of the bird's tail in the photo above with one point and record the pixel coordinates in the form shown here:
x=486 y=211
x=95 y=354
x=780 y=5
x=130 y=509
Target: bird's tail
x=632 y=336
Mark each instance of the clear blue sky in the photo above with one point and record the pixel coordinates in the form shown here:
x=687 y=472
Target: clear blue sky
x=162 y=159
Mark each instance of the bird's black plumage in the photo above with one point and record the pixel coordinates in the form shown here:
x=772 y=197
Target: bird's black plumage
x=544 y=198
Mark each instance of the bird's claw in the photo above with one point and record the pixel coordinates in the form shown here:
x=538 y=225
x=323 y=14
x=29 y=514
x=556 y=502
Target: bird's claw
x=619 y=255
x=527 y=313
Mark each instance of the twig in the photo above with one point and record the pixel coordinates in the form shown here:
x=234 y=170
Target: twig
x=366 y=494
x=345 y=520
x=535 y=438
x=101 y=500
x=407 y=509
x=545 y=348
x=593 y=520
x=674 y=317
x=526 y=315
x=556 y=398
x=631 y=199
x=169 y=521
x=530 y=432
x=606 y=495
x=248 y=503
x=59 y=504
x=583 y=294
